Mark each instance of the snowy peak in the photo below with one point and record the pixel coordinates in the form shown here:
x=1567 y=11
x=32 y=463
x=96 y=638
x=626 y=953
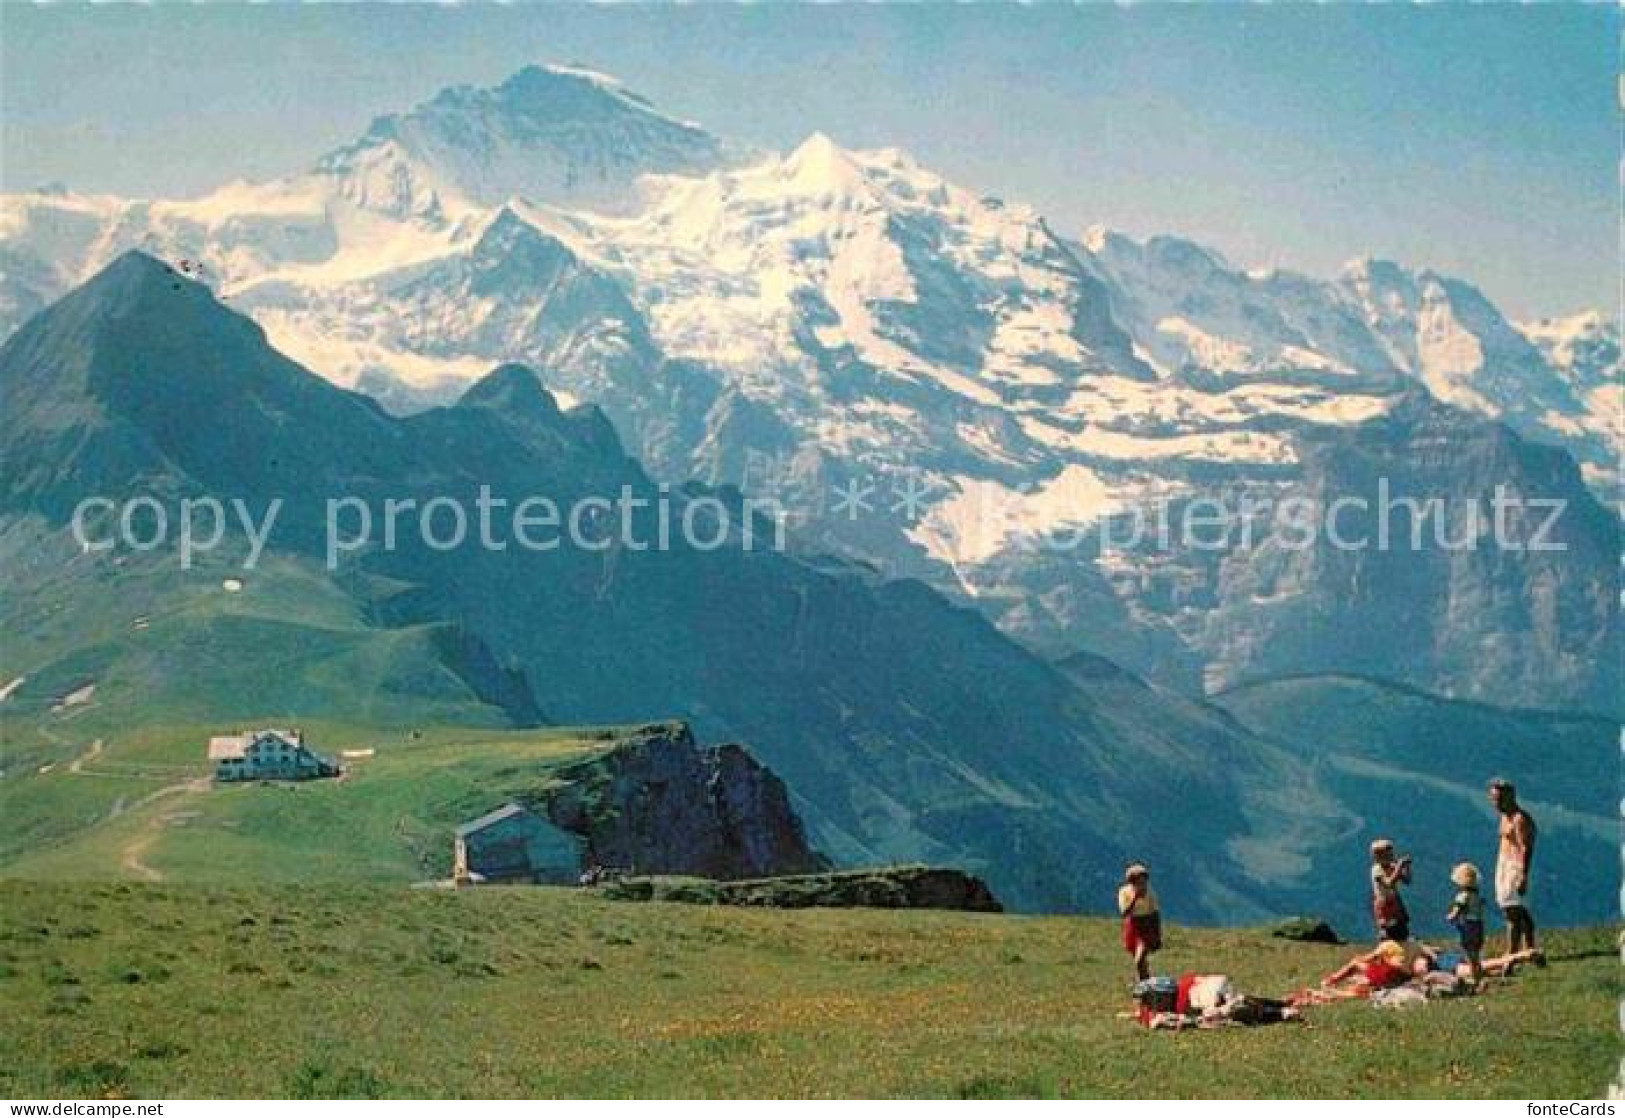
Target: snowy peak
x=1375 y=323
x=1191 y=313
x=559 y=219
x=1583 y=351
x=1448 y=335
x=1375 y=271
x=829 y=259
x=380 y=175
x=506 y=229
x=820 y=166
x=553 y=134
x=562 y=90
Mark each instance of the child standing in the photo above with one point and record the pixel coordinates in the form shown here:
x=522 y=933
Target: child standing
x=1388 y=873
x=1142 y=923
x=1467 y=914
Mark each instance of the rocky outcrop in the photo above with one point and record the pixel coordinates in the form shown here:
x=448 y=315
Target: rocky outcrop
x=892 y=887
x=663 y=804
x=1306 y=929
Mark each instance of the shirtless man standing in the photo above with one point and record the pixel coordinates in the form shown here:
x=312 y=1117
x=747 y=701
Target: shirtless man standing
x=1512 y=865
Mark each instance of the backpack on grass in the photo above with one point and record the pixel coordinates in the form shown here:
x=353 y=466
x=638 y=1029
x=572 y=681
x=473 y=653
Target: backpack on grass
x=1158 y=994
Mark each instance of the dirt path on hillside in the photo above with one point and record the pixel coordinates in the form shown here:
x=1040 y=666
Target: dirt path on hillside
x=132 y=855
x=90 y=754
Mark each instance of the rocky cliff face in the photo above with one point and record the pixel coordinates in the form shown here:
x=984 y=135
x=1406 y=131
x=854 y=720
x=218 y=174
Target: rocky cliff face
x=1516 y=603
x=1424 y=545
x=664 y=804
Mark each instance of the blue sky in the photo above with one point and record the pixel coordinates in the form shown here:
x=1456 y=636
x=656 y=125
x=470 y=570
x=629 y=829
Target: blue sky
x=1481 y=141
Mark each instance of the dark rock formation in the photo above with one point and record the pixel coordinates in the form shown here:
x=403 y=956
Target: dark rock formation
x=892 y=887
x=663 y=804
x=1306 y=929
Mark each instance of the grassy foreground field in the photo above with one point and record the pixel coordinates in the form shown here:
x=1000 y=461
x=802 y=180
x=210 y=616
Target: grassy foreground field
x=123 y=989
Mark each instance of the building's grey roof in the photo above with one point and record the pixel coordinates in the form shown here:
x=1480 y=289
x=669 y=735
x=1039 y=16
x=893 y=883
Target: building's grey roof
x=507 y=811
x=292 y=737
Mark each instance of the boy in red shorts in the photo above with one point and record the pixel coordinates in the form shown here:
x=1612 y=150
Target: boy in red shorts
x=1142 y=923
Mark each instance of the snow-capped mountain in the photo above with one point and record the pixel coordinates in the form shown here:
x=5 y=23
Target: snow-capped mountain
x=1193 y=312
x=1376 y=321
x=790 y=322
x=414 y=187
x=1583 y=350
x=828 y=255
x=1448 y=335
x=570 y=136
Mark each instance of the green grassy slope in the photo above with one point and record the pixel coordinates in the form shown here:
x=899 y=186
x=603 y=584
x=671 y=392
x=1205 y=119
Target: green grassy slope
x=142 y=807
x=121 y=989
x=1554 y=754
x=167 y=645
x=162 y=658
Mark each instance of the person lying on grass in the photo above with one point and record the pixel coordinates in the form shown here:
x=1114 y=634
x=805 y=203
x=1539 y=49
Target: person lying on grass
x=1449 y=974
x=1501 y=966
x=1387 y=965
x=1393 y=964
x=1204 y=1001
